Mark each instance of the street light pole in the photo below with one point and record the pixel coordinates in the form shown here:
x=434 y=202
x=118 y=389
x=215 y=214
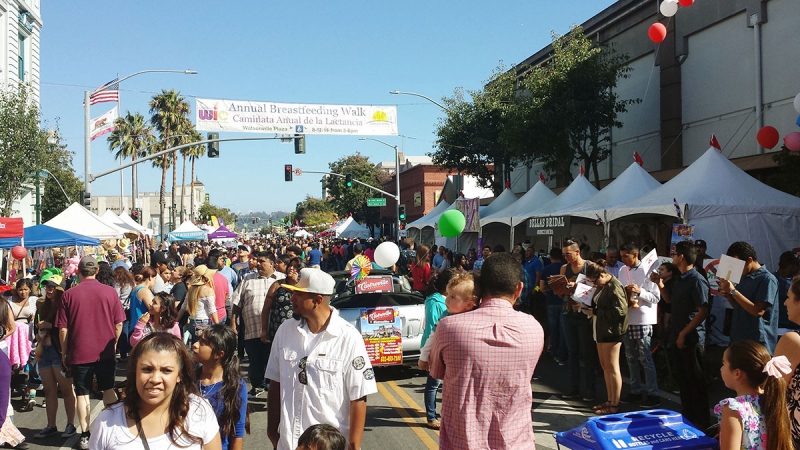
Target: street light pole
x=396 y=182
x=87 y=130
x=422 y=96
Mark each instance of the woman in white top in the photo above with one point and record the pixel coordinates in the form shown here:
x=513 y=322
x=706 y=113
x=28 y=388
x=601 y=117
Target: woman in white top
x=161 y=406
x=200 y=302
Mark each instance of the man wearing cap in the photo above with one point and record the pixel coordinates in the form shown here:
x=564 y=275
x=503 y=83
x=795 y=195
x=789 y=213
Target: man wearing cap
x=248 y=301
x=242 y=265
x=319 y=368
x=90 y=322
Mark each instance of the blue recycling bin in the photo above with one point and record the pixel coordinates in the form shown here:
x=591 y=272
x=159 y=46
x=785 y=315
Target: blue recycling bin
x=652 y=429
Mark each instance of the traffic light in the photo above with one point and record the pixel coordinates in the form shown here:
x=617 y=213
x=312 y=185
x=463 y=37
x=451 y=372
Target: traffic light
x=86 y=198
x=348 y=179
x=402 y=213
x=299 y=144
x=287 y=172
x=136 y=216
x=213 y=147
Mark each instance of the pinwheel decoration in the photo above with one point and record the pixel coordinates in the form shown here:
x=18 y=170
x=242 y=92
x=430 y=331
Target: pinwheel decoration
x=361 y=267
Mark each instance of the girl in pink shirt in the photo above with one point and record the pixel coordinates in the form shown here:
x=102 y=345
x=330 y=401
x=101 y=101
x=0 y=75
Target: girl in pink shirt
x=162 y=315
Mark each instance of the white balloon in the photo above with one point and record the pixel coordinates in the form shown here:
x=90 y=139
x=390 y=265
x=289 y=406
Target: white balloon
x=669 y=8
x=387 y=254
x=797 y=103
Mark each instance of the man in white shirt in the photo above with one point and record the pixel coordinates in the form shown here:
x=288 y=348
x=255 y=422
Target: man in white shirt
x=640 y=331
x=319 y=368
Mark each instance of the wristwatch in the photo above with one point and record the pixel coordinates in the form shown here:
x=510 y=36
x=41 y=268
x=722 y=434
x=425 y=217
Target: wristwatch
x=733 y=292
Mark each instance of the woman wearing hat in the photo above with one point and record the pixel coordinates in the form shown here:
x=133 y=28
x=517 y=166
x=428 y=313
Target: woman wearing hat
x=200 y=302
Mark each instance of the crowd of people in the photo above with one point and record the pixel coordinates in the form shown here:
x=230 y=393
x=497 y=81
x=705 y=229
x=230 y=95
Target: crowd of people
x=183 y=323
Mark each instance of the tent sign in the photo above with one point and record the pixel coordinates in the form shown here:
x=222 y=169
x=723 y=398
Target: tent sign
x=547 y=226
x=381 y=201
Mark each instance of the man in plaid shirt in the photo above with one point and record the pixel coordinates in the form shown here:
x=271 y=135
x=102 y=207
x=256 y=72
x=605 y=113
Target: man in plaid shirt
x=487 y=357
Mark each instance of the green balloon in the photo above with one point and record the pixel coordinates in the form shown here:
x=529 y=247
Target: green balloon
x=452 y=223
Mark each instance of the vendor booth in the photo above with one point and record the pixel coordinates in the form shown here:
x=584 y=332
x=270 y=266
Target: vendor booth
x=497 y=228
x=187 y=231
x=422 y=230
x=80 y=220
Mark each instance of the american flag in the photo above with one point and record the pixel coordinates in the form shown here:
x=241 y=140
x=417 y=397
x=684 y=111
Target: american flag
x=108 y=92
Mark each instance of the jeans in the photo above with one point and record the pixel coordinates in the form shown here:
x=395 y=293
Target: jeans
x=258 y=352
x=577 y=329
x=554 y=313
x=637 y=352
x=431 y=387
x=687 y=366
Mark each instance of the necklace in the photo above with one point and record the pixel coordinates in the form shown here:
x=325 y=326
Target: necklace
x=204 y=390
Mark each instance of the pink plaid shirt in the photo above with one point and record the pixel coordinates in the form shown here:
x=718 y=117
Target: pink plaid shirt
x=486 y=358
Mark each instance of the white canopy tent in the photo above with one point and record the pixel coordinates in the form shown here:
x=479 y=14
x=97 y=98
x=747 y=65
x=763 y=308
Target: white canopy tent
x=112 y=219
x=725 y=205
x=302 y=234
x=78 y=219
x=497 y=229
x=123 y=216
x=354 y=230
x=503 y=200
x=422 y=229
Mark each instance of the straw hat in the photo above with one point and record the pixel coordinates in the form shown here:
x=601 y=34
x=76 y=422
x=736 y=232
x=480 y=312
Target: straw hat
x=123 y=244
x=202 y=275
x=108 y=244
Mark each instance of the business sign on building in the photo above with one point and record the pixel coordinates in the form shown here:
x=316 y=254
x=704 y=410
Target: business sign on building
x=548 y=226
x=270 y=117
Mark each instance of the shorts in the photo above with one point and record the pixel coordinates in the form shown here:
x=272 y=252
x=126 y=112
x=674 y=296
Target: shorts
x=50 y=358
x=104 y=371
x=610 y=339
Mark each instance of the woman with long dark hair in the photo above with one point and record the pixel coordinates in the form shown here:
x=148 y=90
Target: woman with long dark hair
x=162 y=407
x=162 y=316
x=221 y=383
x=124 y=283
x=610 y=311
x=789 y=346
x=278 y=304
x=50 y=366
x=421 y=269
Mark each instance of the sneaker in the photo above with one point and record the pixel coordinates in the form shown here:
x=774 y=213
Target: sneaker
x=651 y=401
x=255 y=392
x=46 y=432
x=83 y=444
x=631 y=398
x=571 y=395
x=28 y=406
x=43 y=404
x=69 y=431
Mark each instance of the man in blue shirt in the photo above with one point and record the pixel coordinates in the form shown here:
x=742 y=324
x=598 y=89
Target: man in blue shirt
x=314 y=256
x=555 y=307
x=484 y=254
x=533 y=266
x=438 y=259
x=754 y=299
x=686 y=334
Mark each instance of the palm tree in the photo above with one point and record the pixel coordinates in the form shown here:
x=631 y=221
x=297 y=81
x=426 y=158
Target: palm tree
x=132 y=138
x=195 y=153
x=170 y=113
x=193 y=136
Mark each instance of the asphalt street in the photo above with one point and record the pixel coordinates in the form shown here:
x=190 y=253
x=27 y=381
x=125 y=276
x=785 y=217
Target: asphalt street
x=395 y=415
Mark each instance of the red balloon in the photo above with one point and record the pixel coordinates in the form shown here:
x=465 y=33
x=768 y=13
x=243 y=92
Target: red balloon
x=19 y=253
x=768 y=137
x=686 y=2
x=792 y=141
x=657 y=32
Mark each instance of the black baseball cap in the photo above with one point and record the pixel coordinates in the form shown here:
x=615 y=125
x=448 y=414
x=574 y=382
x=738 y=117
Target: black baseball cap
x=700 y=243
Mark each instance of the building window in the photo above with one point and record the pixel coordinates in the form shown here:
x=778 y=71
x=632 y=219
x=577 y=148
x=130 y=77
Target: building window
x=21 y=57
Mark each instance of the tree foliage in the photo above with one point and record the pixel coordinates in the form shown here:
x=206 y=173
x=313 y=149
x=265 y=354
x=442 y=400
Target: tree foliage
x=354 y=200
x=559 y=113
x=470 y=138
x=59 y=164
x=313 y=212
x=207 y=210
x=569 y=107
x=24 y=145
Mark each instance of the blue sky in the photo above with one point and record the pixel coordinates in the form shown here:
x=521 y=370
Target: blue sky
x=341 y=52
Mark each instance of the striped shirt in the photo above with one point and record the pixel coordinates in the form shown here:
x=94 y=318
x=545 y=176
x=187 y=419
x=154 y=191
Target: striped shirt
x=487 y=357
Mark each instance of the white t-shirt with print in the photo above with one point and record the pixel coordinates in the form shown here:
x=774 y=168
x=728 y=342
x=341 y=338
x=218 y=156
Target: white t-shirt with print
x=110 y=429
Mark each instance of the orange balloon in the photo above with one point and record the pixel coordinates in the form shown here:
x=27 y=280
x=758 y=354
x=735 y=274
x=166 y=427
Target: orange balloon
x=657 y=32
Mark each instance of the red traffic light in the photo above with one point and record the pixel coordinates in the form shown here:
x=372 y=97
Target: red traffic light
x=287 y=172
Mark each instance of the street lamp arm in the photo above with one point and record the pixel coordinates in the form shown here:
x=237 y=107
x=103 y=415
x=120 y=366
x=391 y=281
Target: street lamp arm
x=58 y=183
x=423 y=96
x=187 y=72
